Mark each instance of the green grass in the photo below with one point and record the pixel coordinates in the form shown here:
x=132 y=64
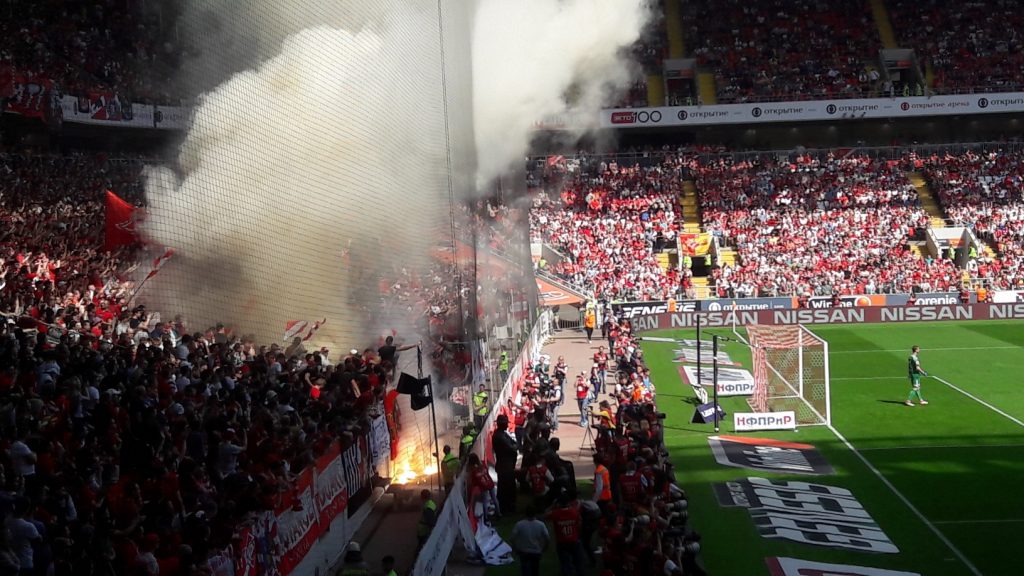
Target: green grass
x=957 y=461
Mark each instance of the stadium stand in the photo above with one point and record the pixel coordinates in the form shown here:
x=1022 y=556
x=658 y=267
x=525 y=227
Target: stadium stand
x=608 y=220
x=785 y=49
x=983 y=190
x=817 y=226
x=969 y=47
x=87 y=46
x=134 y=445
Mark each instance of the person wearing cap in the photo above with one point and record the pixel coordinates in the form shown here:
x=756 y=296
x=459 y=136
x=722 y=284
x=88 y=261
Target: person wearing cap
x=505 y=455
x=353 y=564
x=480 y=407
x=387 y=566
x=466 y=442
x=449 y=469
x=428 y=518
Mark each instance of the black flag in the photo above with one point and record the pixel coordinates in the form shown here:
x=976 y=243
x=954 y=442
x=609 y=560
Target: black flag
x=420 y=401
x=408 y=384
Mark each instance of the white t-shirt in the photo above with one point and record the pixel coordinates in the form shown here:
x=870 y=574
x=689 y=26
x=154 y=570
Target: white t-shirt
x=20 y=455
x=21 y=533
x=228 y=461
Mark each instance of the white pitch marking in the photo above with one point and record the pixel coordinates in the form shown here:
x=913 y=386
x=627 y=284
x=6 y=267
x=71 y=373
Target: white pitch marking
x=956 y=551
x=942 y=447
x=923 y=349
x=982 y=402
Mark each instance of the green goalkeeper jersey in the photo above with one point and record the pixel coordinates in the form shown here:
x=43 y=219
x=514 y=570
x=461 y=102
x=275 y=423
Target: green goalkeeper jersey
x=913 y=365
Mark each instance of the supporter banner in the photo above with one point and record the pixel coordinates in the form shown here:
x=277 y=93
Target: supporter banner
x=221 y=563
x=1008 y=296
x=695 y=244
x=797 y=567
x=731 y=381
x=752 y=421
x=452 y=521
x=552 y=295
x=354 y=462
x=747 y=304
x=634 y=309
x=871 y=314
x=32 y=97
x=109 y=109
x=803 y=111
x=331 y=493
x=766 y=455
x=297 y=523
x=246 y=563
x=807 y=513
x=380 y=440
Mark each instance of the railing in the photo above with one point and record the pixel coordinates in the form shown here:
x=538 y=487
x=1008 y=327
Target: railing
x=454 y=519
x=655 y=157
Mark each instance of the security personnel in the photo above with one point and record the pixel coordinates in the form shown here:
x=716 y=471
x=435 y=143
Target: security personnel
x=602 y=484
x=449 y=469
x=428 y=517
x=354 y=565
x=687 y=262
x=466 y=442
x=505 y=453
x=503 y=366
x=480 y=407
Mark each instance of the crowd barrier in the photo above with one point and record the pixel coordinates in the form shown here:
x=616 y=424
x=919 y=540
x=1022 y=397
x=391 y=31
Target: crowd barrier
x=454 y=518
x=842 y=315
x=324 y=499
x=631 y=310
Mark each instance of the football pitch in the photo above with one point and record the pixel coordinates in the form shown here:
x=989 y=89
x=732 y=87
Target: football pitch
x=943 y=482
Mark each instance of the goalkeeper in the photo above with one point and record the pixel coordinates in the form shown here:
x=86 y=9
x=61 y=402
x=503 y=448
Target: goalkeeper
x=914 y=371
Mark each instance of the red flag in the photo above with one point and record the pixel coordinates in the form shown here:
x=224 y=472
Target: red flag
x=293 y=328
x=120 y=229
x=159 y=262
x=313 y=330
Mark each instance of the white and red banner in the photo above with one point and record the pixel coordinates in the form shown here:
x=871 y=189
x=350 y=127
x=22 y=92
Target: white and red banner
x=331 y=493
x=298 y=523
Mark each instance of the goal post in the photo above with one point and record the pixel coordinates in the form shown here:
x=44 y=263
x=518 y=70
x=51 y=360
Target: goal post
x=791 y=372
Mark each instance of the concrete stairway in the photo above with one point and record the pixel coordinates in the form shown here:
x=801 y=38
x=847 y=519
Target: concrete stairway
x=655 y=90
x=674 y=28
x=927 y=199
x=690 y=208
x=700 y=287
x=706 y=88
x=884 y=24
x=663 y=260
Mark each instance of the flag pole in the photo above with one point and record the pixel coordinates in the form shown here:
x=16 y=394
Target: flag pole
x=433 y=414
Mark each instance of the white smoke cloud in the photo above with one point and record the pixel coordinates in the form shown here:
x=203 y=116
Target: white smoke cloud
x=334 y=146
x=316 y=166
x=526 y=56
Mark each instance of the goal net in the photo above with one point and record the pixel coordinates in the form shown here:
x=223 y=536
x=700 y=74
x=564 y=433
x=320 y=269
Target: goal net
x=790 y=373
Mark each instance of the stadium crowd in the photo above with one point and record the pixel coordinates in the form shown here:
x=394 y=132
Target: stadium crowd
x=971 y=46
x=984 y=190
x=87 y=46
x=138 y=445
x=609 y=220
x=637 y=515
x=817 y=226
x=784 y=49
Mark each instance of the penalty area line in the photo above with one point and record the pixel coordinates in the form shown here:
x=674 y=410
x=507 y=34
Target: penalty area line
x=926 y=349
x=1004 y=521
x=980 y=401
x=956 y=551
